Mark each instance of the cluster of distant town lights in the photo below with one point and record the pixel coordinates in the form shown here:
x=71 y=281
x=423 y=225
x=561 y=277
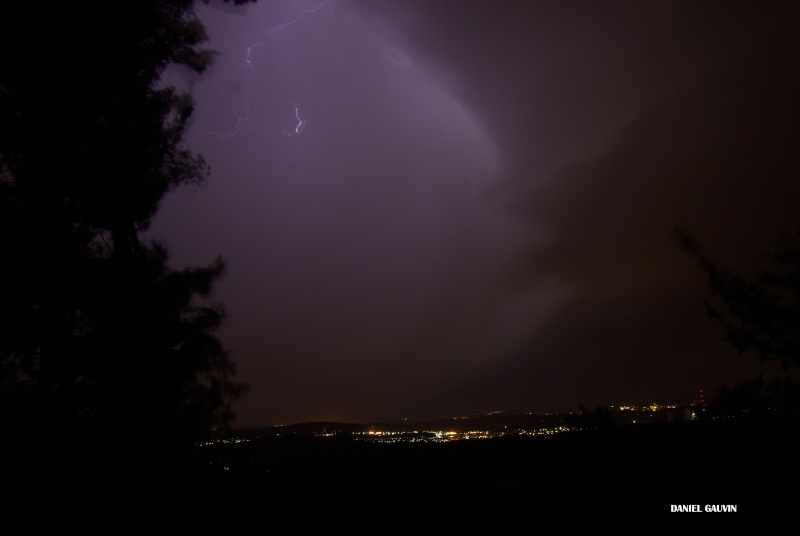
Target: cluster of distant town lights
x=439 y=436
x=417 y=436
x=443 y=436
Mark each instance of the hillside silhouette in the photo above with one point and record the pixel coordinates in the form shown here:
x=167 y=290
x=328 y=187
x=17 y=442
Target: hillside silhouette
x=625 y=477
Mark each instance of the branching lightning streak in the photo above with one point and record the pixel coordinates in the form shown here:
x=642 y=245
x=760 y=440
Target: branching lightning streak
x=241 y=122
x=300 y=16
x=282 y=27
x=238 y=121
x=298 y=128
x=300 y=123
x=250 y=52
x=248 y=59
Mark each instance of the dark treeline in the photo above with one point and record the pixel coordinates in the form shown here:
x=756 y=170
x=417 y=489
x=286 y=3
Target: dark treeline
x=99 y=336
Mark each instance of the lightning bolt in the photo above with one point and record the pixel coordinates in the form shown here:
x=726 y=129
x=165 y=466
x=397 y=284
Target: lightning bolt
x=248 y=57
x=249 y=53
x=298 y=128
x=258 y=40
x=293 y=21
x=300 y=123
x=239 y=121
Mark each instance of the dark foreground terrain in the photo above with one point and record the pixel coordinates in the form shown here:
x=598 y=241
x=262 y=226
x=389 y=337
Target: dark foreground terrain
x=625 y=478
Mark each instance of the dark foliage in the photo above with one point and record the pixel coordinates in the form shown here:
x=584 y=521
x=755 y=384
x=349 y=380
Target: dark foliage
x=98 y=333
x=761 y=316
x=756 y=398
x=600 y=418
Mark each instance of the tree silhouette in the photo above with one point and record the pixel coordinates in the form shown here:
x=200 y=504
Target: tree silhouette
x=760 y=316
x=98 y=333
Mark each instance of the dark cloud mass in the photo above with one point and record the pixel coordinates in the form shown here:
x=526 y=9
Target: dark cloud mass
x=431 y=208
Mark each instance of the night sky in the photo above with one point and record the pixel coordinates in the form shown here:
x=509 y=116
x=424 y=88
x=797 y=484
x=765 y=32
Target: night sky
x=440 y=208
